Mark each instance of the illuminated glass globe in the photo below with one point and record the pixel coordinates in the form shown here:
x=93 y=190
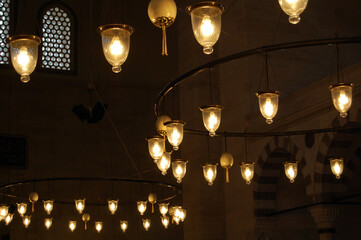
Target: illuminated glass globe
x=4 y=211
x=156 y=147
x=268 y=104
x=165 y=221
x=337 y=165
x=22 y=207
x=175 y=133
x=163 y=163
x=293 y=8
x=124 y=225
x=142 y=207
x=179 y=168
x=206 y=23
x=26 y=221
x=182 y=214
x=210 y=172
x=113 y=206
x=116 y=43
x=72 y=225
x=247 y=171
x=290 y=170
x=48 y=222
x=24 y=54
x=211 y=118
x=80 y=205
x=342 y=97
x=98 y=226
x=48 y=206
x=8 y=218
x=163 y=208
x=146 y=224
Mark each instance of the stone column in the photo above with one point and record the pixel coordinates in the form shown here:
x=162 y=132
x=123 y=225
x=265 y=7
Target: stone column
x=325 y=217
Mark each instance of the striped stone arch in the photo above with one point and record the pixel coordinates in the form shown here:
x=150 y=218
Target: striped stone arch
x=326 y=186
x=267 y=171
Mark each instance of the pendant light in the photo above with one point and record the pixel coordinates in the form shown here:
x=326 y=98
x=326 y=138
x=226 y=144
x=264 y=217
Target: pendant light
x=156 y=147
x=162 y=14
x=341 y=92
x=8 y=218
x=98 y=226
x=163 y=163
x=72 y=225
x=175 y=132
x=4 y=211
x=22 y=208
x=337 y=165
x=26 y=221
x=163 y=208
x=24 y=54
x=165 y=221
x=48 y=222
x=247 y=169
x=146 y=224
x=182 y=214
x=293 y=8
x=211 y=115
x=179 y=168
x=80 y=205
x=290 y=170
x=48 y=206
x=268 y=99
x=142 y=207
x=116 y=43
x=124 y=225
x=206 y=23
x=210 y=172
x=113 y=206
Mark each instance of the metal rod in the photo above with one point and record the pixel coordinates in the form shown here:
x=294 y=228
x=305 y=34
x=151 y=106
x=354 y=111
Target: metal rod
x=247 y=53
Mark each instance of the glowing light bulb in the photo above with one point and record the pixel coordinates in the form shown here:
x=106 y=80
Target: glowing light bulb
x=116 y=48
x=337 y=165
x=165 y=221
x=123 y=225
x=207 y=27
x=72 y=225
x=48 y=206
x=247 y=172
x=22 y=208
x=210 y=172
x=163 y=208
x=26 y=221
x=142 y=207
x=164 y=163
x=343 y=100
x=179 y=168
x=113 y=206
x=268 y=107
x=175 y=133
x=4 y=210
x=146 y=224
x=48 y=222
x=9 y=218
x=80 y=205
x=23 y=58
x=268 y=104
x=291 y=171
x=293 y=8
x=98 y=226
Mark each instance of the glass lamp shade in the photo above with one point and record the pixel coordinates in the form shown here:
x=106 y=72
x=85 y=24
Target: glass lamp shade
x=156 y=147
x=98 y=226
x=165 y=221
x=290 y=170
x=183 y=214
x=206 y=23
x=8 y=218
x=175 y=133
x=48 y=206
x=24 y=54
x=146 y=224
x=80 y=205
x=142 y=207
x=163 y=208
x=48 y=222
x=226 y=161
x=337 y=166
x=124 y=225
x=113 y=206
x=211 y=118
x=26 y=221
x=163 y=163
x=116 y=43
x=4 y=210
x=159 y=124
x=293 y=8
x=179 y=168
x=342 y=97
x=22 y=208
x=268 y=104
x=247 y=171
x=210 y=172
x=72 y=225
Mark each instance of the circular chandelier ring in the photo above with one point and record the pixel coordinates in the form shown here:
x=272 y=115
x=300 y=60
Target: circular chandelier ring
x=243 y=54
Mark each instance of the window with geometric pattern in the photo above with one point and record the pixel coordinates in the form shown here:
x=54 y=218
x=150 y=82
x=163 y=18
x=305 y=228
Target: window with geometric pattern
x=4 y=30
x=57 y=39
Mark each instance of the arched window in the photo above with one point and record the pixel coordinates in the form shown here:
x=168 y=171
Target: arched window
x=57 y=48
x=4 y=30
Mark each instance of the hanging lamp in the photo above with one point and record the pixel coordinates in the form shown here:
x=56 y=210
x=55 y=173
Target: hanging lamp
x=124 y=225
x=247 y=169
x=146 y=224
x=72 y=225
x=156 y=147
x=26 y=220
x=164 y=162
x=162 y=14
x=142 y=207
x=48 y=206
x=211 y=115
x=113 y=206
x=80 y=205
x=179 y=168
x=8 y=218
x=165 y=221
x=48 y=222
x=293 y=8
x=116 y=43
x=98 y=226
x=163 y=208
x=206 y=23
x=175 y=132
x=337 y=165
x=210 y=172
